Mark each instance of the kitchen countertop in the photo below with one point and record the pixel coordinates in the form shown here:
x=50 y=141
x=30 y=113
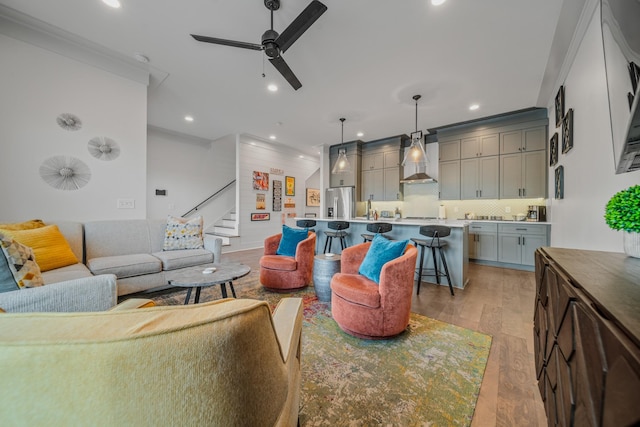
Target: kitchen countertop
x=447 y=222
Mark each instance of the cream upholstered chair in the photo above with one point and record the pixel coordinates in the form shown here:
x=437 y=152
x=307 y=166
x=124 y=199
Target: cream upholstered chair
x=223 y=363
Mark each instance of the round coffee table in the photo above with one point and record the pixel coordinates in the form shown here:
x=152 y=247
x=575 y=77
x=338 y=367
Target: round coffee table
x=195 y=278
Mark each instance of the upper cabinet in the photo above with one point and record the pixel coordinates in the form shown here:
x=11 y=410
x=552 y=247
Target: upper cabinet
x=480 y=146
x=497 y=158
x=522 y=140
x=449 y=150
x=381 y=169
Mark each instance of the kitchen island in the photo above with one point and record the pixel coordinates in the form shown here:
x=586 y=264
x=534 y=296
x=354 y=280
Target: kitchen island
x=457 y=252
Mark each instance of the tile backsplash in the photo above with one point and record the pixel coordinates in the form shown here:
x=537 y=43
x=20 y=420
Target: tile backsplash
x=421 y=200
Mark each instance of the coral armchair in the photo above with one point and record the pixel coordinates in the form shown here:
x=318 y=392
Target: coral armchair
x=366 y=309
x=281 y=272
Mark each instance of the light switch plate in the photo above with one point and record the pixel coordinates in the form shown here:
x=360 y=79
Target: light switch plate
x=126 y=203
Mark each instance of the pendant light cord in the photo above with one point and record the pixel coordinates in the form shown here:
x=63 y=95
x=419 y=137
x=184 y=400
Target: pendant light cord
x=342 y=119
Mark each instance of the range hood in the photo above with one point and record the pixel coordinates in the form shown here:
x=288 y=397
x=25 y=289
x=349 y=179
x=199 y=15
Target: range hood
x=417 y=178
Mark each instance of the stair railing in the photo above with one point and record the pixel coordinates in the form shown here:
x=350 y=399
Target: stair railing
x=208 y=199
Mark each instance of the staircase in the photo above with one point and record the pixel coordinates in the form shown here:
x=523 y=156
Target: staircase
x=226 y=228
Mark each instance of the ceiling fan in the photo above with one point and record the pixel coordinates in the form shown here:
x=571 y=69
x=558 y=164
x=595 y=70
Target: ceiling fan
x=275 y=44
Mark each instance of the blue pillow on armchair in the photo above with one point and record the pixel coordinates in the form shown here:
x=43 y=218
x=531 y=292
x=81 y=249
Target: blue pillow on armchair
x=290 y=239
x=380 y=252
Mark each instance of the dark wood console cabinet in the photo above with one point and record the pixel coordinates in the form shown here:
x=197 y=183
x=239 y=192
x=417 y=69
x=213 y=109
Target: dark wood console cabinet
x=587 y=337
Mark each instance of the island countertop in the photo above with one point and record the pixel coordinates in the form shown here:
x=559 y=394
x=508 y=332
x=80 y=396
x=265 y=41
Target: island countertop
x=457 y=251
x=413 y=221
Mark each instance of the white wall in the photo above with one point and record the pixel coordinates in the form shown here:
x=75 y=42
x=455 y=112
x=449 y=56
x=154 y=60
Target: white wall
x=38 y=85
x=190 y=170
x=262 y=157
x=589 y=178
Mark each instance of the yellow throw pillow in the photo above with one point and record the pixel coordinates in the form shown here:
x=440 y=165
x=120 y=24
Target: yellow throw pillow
x=50 y=247
x=27 y=225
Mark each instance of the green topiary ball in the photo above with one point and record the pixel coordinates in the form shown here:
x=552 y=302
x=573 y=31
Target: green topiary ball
x=623 y=210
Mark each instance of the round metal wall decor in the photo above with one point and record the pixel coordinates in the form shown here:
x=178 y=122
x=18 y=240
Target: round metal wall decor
x=103 y=148
x=70 y=122
x=65 y=172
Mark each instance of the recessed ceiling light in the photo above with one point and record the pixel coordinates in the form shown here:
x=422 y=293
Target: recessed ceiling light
x=188 y=118
x=272 y=137
x=252 y=143
x=141 y=57
x=473 y=107
x=112 y=3
x=272 y=87
x=360 y=134
x=301 y=156
x=437 y=2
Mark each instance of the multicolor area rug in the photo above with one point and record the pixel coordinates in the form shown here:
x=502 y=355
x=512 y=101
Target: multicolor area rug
x=430 y=375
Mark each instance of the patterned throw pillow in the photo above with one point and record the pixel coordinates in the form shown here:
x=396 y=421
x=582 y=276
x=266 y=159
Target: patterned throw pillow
x=182 y=233
x=20 y=261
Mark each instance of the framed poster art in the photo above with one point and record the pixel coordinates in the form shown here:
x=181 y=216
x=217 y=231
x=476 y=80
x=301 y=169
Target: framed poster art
x=290 y=186
x=313 y=197
x=277 y=195
x=553 y=150
x=261 y=201
x=260 y=181
x=260 y=216
x=567 y=131
x=559 y=106
x=560 y=182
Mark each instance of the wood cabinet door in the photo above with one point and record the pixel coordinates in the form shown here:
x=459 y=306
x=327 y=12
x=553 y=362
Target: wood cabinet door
x=391 y=159
x=469 y=188
x=449 y=151
x=509 y=248
x=449 y=180
x=489 y=145
x=391 y=184
x=488 y=177
x=535 y=139
x=469 y=147
x=511 y=176
x=372 y=161
x=373 y=185
x=487 y=246
x=529 y=245
x=511 y=142
x=534 y=174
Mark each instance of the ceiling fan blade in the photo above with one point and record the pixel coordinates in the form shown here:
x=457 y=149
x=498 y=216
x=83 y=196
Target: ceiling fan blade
x=225 y=42
x=300 y=24
x=286 y=72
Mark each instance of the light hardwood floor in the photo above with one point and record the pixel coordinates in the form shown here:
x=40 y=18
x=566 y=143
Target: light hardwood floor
x=498 y=302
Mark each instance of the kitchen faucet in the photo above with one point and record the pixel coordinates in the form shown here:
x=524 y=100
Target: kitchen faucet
x=368 y=208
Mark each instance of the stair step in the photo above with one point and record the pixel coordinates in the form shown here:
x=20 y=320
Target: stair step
x=226 y=232
x=231 y=223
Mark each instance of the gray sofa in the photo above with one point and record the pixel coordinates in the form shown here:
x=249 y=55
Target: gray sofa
x=118 y=257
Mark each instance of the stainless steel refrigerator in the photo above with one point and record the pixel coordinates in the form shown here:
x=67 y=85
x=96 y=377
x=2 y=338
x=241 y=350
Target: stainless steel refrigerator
x=341 y=202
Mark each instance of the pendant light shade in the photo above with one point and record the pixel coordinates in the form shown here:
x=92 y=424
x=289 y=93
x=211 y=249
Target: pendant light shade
x=416 y=155
x=342 y=164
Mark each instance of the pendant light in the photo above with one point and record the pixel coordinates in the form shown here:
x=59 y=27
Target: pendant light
x=415 y=155
x=342 y=164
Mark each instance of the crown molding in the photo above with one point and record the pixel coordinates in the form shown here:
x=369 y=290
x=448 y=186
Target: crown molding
x=25 y=28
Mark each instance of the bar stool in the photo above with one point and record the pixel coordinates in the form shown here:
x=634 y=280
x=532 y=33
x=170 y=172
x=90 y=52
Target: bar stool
x=339 y=227
x=435 y=232
x=306 y=223
x=376 y=228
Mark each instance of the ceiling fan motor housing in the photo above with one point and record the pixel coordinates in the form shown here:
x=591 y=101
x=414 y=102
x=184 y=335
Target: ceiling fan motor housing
x=268 y=41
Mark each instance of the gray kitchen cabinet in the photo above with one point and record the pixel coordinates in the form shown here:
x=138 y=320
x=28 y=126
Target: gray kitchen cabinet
x=480 y=146
x=373 y=185
x=483 y=241
x=391 y=184
x=372 y=161
x=448 y=151
x=523 y=140
x=518 y=242
x=523 y=175
x=391 y=159
x=479 y=178
x=449 y=180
